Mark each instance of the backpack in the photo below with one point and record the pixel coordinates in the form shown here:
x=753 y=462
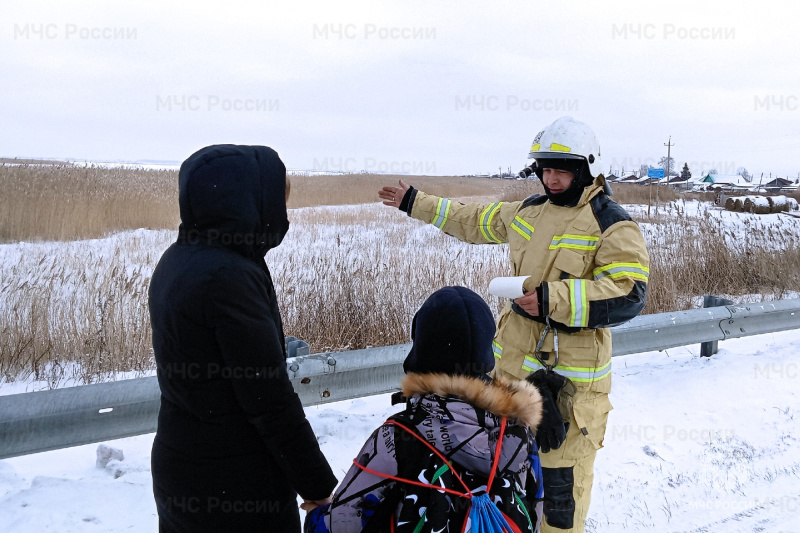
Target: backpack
x=495 y=505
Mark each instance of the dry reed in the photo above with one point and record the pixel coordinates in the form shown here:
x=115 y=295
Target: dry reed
x=347 y=189
x=66 y=202
x=347 y=276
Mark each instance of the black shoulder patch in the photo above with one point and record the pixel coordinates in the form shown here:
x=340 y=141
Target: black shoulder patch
x=607 y=211
x=536 y=199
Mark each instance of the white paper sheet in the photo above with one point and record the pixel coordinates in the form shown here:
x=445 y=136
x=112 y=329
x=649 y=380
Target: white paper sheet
x=507 y=287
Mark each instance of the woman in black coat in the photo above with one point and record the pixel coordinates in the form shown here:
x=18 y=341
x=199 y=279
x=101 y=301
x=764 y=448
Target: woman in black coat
x=233 y=447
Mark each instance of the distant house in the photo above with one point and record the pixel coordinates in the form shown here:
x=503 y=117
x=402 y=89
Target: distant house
x=633 y=178
x=625 y=178
x=780 y=185
x=681 y=184
x=621 y=173
x=654 y=181
x=726 y=182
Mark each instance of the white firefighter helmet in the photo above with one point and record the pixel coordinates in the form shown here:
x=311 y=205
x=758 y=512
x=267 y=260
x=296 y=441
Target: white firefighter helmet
x=567 y=138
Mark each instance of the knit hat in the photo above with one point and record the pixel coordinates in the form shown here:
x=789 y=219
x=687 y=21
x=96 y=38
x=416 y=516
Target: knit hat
x=452 y=334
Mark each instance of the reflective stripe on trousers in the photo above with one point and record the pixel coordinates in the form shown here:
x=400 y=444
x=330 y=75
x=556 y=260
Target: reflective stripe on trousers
x=577 y=374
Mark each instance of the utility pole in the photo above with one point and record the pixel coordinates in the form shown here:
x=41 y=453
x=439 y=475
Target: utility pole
x=669 y=145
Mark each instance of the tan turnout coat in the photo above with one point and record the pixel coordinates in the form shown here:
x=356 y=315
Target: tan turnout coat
x=592 y=265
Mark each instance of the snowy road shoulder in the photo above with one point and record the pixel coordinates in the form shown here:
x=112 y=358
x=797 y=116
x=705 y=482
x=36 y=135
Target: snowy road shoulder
x=703 y=444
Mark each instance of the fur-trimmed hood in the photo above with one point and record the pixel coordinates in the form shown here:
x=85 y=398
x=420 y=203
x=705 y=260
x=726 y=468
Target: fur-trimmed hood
x=517 y=400
x=460 y=416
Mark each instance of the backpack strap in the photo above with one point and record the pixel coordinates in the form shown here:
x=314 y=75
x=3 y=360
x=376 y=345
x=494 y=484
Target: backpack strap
x=410 y=481
x=467 y=494
x=497 y=450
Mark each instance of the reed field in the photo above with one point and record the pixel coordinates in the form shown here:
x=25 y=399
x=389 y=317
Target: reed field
x=81 y=245
x=67 y=202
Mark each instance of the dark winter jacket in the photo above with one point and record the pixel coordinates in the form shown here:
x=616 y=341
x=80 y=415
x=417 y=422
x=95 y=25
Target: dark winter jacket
x=459 y=416
x=233 y=446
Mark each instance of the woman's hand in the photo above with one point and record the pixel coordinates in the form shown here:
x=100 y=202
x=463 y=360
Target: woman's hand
x=310 y=505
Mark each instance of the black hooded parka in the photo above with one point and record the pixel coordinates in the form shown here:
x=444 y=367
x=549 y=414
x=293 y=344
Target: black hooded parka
x=233 y=447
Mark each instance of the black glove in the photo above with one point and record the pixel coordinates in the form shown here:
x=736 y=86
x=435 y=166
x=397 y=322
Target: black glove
x=563 y=391
x=552 y=430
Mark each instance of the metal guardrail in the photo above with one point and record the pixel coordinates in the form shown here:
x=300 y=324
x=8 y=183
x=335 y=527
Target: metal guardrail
x=41 y=421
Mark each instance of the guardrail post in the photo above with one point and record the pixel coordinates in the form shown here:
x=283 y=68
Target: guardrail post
x=707 y=349
x=296 y=347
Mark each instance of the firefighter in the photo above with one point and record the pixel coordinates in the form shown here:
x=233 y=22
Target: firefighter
x=587 y=269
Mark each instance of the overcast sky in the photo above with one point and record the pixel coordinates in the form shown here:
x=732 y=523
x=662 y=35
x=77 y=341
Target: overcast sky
x=437 y=87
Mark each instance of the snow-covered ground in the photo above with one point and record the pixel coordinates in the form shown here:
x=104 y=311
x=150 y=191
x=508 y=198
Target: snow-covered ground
x=704 y=445
x=693 y=444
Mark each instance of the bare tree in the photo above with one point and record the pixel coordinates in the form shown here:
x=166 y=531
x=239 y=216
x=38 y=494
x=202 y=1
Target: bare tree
x=662 y=163
x=744 y=173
